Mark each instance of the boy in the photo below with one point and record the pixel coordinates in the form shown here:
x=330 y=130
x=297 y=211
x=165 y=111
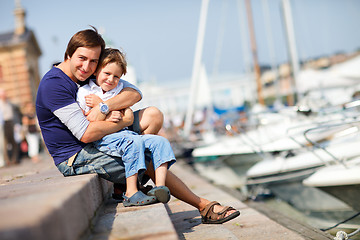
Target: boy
x=126 y=144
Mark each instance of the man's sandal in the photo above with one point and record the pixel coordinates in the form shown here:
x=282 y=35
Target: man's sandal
x=138 y=199
x=208 y=216
x=162 y=193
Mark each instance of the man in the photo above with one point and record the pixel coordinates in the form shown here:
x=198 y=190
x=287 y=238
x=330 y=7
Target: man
x=67 y=132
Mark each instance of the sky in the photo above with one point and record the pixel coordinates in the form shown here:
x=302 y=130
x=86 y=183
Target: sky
x=159 y=36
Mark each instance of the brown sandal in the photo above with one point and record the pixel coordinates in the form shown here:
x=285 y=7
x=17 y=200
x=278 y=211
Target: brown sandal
x=208 y=216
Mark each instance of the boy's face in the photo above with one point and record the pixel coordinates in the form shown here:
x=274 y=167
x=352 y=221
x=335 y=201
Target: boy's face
x=83 y=63
x=108 y=77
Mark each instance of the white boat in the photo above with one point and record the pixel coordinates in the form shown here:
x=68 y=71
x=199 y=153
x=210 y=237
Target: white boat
x=277 y=132
x=283 y=176
x=341 y=180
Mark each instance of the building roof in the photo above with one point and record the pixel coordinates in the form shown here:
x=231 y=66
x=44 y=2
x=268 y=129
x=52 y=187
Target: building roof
x=10 y=39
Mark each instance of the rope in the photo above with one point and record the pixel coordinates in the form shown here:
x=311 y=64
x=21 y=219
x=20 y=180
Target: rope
x=341 y=235
x=354 y=216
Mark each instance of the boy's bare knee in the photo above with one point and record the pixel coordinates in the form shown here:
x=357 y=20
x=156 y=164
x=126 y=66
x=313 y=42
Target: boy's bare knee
x=157 y=117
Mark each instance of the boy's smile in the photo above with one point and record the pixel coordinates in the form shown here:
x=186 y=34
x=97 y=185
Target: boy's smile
x=108 y=77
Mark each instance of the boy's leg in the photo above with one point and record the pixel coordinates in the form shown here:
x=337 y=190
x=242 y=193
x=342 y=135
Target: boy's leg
x=160 y=174
x=160 y=148
x=131 y=185
x=150 y=120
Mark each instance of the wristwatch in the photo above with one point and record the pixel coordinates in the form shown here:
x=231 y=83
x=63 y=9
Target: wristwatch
x=104 y=108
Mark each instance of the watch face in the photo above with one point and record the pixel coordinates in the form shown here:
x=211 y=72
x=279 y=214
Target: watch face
x=104 y=108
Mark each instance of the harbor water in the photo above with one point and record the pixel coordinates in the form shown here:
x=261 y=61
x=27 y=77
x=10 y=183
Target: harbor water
x=231 y=173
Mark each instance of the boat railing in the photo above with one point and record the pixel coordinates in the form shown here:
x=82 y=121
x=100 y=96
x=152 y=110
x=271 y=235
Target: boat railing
x=343 y=128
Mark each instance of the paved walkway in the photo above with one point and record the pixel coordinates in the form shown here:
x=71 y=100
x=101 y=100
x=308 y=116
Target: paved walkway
x=37 y=202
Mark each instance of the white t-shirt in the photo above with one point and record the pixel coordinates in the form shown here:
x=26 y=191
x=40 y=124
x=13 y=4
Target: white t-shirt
x=92 y=88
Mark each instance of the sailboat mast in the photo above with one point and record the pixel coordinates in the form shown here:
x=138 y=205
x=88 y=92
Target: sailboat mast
x=254 y=53
x=196 y=68
x=290 y=34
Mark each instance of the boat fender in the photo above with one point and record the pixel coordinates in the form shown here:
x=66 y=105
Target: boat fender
x=341 y=235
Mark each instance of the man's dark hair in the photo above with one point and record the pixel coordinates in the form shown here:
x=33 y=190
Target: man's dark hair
x=85 y=38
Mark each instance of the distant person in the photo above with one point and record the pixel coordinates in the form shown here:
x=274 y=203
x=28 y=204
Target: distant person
x=127 y=144
x=31 y=131
x=68 y=134
x=2 y=162
x=11 y=148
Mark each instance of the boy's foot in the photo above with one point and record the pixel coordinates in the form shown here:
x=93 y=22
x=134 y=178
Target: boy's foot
x=138 y=199
x=119 y=189
x=162 y=193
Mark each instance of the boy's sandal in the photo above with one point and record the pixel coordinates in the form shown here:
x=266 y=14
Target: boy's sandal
x=138 y=199
x=162 y=193
x=208 y=215
x=119 y=197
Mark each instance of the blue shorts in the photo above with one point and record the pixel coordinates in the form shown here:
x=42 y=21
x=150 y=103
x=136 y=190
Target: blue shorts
x=131 y=147
x=111 y=168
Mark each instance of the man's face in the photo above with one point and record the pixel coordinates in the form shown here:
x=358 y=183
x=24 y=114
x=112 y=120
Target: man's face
x=83 y=63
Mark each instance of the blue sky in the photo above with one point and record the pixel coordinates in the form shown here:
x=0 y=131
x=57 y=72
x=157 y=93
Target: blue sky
x=159 y=36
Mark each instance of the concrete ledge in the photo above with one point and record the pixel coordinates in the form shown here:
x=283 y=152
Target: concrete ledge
x=48 y=205
x=147 y=222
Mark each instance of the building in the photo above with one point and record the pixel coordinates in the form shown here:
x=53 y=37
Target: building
x=19 y=54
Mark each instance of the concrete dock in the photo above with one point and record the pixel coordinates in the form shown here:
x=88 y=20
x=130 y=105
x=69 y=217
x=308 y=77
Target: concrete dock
x=37 y=202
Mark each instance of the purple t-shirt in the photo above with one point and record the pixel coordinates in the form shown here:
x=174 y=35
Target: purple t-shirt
x=57 y=92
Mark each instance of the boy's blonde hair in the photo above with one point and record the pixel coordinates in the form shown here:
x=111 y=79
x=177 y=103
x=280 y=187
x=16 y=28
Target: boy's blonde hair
x=112 y=55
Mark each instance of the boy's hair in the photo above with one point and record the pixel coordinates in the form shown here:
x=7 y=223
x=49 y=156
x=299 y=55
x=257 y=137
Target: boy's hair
x=112 y=55
x=85 y=38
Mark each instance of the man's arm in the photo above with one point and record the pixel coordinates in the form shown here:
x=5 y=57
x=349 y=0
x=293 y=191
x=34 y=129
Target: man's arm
x=73 y=118
x=128 y=96
x=97 y=130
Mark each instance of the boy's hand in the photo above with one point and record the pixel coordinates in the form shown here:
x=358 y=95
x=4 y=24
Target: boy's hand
x=114 y=116
x=92 y=100
x=127 y=116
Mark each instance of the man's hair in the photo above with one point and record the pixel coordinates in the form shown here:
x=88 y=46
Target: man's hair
x=112 y=55
x=85 y=38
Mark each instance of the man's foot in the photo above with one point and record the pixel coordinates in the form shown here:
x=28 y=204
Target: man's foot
x=214 y=213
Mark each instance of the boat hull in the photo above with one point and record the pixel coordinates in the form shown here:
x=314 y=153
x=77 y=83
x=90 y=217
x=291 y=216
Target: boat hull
x=349 y=194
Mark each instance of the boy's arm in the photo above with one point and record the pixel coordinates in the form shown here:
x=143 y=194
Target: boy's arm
x=128 y=96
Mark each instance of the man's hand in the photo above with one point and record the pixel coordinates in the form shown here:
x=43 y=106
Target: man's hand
x=92 y=100
x=95 y=115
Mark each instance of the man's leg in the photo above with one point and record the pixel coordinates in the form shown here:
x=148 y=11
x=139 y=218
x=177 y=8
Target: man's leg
x=179 y=190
